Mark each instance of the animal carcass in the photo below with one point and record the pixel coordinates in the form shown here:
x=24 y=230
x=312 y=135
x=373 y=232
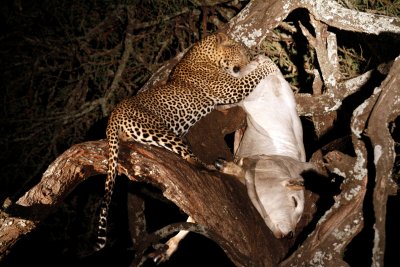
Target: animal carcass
x=270 y=156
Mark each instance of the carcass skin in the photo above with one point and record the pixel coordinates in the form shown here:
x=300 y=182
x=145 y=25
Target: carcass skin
x=273 y=126
x=270 y=156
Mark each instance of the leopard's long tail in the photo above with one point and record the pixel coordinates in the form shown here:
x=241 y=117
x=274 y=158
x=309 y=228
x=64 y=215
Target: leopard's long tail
x=113 y=149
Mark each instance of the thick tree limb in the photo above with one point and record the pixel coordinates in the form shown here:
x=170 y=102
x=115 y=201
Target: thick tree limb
x=266 y=15
x=216 y=202
x=386 y=109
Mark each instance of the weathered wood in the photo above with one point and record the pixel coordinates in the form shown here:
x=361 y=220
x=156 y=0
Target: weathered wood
x=218 y=203
x=386 y=109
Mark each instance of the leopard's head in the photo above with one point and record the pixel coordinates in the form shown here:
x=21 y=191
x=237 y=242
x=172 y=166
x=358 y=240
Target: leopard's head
x=221 y=51
x=230 y=55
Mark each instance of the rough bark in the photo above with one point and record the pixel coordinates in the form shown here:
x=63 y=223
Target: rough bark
x=218 y=203
x=385 y=111
x=259 y=18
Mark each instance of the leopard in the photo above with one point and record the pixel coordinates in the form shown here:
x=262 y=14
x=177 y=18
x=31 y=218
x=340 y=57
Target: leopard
x=162 y=115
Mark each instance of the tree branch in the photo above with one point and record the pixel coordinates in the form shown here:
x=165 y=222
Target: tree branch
x=386 y=109
x=252 y=29
x=216 y=202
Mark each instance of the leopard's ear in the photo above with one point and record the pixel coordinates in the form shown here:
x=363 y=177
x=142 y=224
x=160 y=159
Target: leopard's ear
x=221 y=38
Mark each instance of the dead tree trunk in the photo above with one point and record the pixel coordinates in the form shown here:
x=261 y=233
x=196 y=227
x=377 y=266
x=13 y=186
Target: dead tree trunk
x=218 y=203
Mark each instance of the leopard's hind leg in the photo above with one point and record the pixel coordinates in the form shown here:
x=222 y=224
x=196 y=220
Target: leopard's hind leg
x=154 y=134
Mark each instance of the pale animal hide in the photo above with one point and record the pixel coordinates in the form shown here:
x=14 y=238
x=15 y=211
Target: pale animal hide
x=273 y=126
x=270 y=155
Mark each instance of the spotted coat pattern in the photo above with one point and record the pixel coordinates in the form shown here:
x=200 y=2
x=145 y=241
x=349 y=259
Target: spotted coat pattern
x=161 y=116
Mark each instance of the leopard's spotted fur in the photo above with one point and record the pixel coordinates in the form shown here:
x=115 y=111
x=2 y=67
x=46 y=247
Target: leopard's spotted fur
x=160 y=116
